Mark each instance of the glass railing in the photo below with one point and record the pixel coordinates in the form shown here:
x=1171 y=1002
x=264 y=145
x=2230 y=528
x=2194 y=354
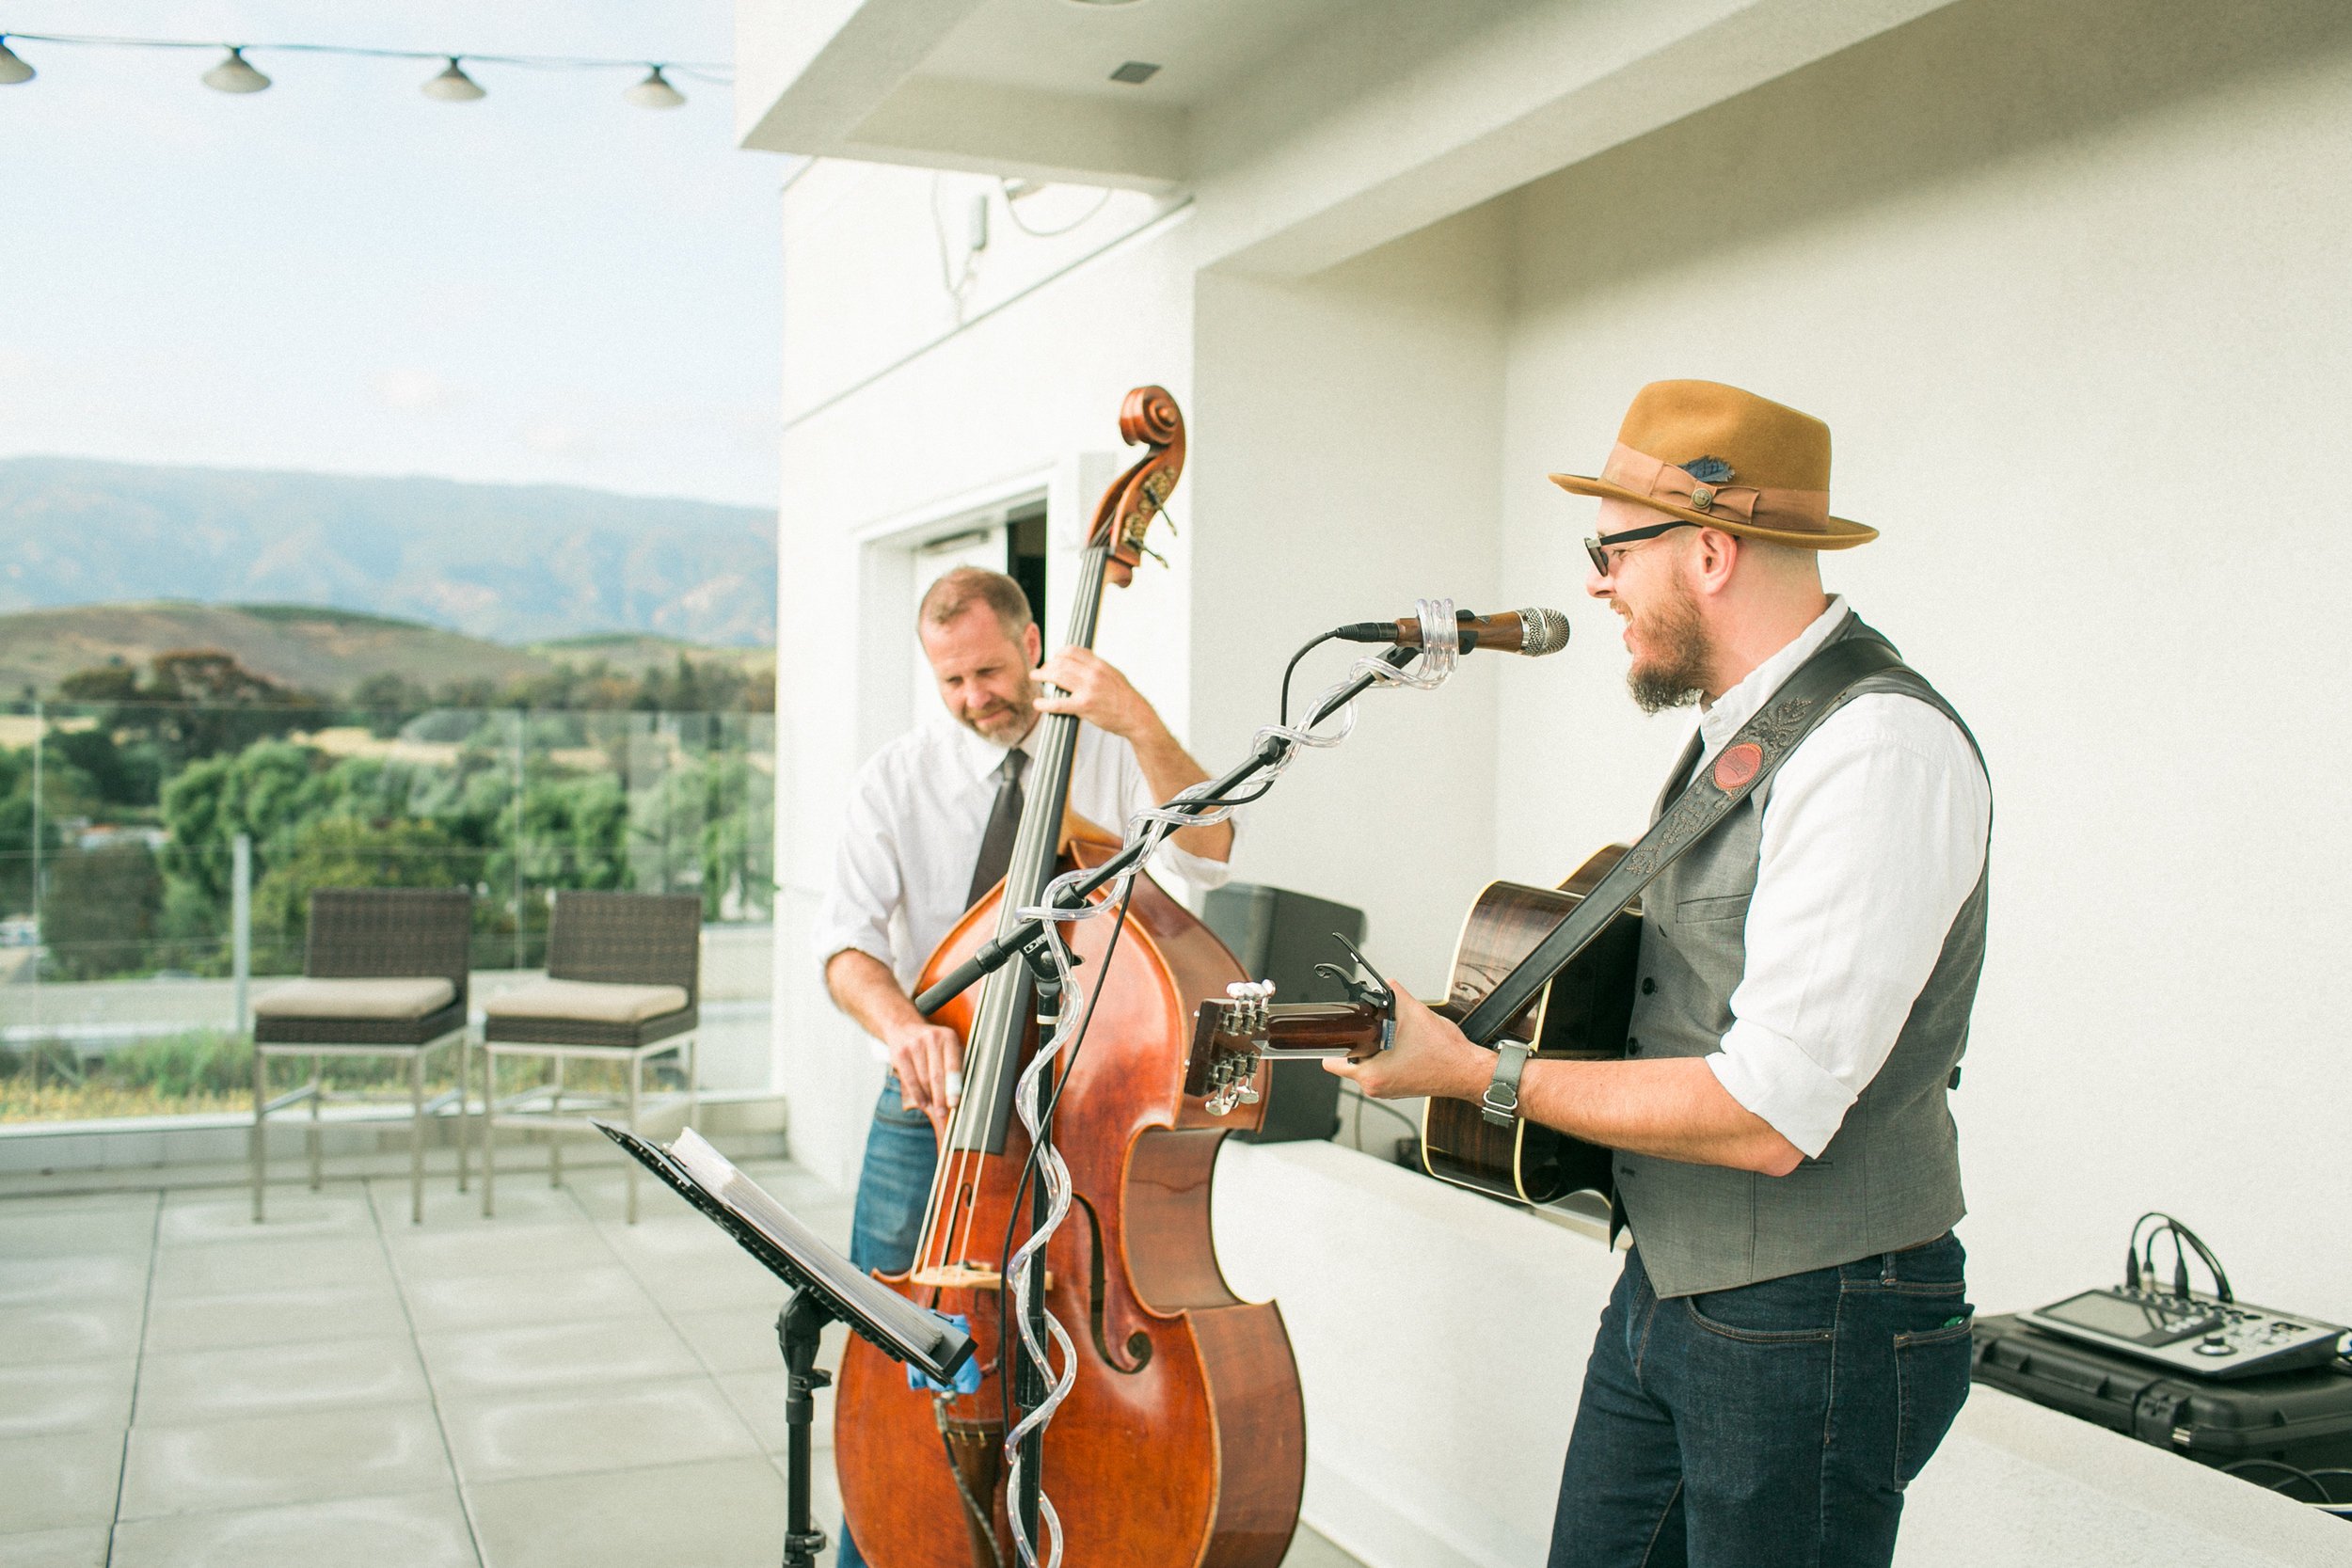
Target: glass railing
x=131 y=917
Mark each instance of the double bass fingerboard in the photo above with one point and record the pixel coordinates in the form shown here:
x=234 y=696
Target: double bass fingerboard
x=993 y=1049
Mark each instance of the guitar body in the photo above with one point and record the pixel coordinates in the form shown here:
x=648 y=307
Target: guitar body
x=1582 y=1015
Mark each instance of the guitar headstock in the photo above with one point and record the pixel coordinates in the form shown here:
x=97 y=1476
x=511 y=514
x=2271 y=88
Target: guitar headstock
x=1229 y=1038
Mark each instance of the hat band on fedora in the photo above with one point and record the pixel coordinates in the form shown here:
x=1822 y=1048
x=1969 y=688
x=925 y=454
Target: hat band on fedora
x=1791 y=510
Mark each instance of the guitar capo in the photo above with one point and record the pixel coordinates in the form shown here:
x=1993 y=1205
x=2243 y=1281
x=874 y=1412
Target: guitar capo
x=1371 y=990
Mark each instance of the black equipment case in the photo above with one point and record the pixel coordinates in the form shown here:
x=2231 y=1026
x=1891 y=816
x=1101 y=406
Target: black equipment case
x=2301 y=1418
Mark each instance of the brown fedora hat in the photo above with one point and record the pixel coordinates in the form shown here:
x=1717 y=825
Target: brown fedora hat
x=1727 y=459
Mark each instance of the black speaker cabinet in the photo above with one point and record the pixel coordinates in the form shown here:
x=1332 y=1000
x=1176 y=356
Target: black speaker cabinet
x=1280 y=936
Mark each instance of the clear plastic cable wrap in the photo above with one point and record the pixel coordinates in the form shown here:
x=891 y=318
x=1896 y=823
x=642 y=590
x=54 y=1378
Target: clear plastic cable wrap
x=1441 y=651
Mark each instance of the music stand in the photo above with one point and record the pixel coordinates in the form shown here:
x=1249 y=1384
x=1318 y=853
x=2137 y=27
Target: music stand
x=826 y=1286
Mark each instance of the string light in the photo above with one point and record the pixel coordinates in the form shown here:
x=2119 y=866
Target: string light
x=453 y=86
x=655 y=92
x=235 y=74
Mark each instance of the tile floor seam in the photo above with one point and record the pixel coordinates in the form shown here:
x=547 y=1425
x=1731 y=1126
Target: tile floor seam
x=709 y=1372
x=432 y=1392
x=138 y=1366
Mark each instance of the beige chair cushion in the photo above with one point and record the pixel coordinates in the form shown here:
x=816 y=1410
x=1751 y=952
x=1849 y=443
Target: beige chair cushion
x=586 y=1002
x=400 y=997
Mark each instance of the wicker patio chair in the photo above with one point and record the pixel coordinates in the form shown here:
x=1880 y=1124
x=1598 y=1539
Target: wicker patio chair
x=623 y=978
x=383 y=975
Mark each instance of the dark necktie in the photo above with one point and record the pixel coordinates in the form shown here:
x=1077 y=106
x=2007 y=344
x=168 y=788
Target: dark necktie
x=1003 y=826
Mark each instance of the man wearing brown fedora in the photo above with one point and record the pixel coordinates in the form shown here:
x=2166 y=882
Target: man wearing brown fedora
x=1788 y=1339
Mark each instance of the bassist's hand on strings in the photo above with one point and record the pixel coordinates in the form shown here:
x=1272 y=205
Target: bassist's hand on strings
x=1098 y=694
x=1429 y=1056
x=930 y=1062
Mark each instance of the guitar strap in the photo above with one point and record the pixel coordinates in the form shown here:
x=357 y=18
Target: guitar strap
x=1821 y=686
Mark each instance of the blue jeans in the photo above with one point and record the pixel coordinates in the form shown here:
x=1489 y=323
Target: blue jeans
x=894 y=1187
x=1770 y=1425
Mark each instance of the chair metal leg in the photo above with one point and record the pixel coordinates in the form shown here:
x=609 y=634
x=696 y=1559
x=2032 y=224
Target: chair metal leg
x=555 y=1139
x=318 y=1093
x=464 y=1088
x=694 y=1080
x=416 y=1138
x=260 y=1116
x=636 y=1092
x=489 y=1131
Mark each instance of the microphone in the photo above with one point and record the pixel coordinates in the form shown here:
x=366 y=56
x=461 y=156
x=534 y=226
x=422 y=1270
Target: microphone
x=1532 y=632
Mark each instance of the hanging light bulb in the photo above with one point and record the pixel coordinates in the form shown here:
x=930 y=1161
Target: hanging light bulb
x=453 y=86
x=234 y=75
x=12 y=69
x=655 y=92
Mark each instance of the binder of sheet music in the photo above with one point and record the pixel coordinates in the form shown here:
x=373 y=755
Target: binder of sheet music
x=795 y=1254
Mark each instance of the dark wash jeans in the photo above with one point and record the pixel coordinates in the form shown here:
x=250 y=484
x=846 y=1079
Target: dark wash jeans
x=894 y=1187
x=1770 y=1425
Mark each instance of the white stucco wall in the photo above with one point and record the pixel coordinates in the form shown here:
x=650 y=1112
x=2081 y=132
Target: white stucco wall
x=2060 y=316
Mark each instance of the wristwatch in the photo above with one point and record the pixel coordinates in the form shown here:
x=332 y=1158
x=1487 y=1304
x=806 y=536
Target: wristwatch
x=1500 y=1104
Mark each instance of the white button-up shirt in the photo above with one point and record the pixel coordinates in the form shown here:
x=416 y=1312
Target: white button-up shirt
x=1874 y=834
x=917 y=811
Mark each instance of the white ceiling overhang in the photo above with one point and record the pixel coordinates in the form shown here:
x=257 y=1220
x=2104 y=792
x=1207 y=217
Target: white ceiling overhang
x=1312 y=130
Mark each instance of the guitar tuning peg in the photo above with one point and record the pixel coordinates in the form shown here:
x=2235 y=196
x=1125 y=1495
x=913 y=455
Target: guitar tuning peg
x=1152 y=553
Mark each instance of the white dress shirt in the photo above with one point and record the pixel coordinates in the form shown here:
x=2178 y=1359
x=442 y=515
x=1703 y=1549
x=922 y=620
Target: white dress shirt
x=917 y=811
x=1874 y=834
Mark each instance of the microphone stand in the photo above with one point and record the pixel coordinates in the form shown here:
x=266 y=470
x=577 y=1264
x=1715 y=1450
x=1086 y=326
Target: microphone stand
x=995 y=953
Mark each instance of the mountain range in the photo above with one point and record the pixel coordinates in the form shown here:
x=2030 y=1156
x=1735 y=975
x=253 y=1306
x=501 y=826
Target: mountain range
x=509 y=564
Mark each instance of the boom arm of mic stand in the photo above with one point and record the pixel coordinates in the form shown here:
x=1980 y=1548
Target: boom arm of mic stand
x=996 y=952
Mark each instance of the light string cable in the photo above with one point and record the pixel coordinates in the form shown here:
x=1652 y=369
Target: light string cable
x=713 y=71
x=1326 y=726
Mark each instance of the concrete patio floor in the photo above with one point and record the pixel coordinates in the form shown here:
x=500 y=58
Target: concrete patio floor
x=181 y=1386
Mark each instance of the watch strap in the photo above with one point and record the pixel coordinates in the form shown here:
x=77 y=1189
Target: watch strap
x=1499 y=1103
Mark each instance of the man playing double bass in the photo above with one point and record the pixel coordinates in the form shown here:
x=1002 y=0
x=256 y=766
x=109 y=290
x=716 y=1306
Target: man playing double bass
x=1788 y=1339
x=930 y=827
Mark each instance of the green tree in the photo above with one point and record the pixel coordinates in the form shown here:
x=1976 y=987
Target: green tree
x=349 y=852
x=198 y=703
x=264 y=791
x=98 y=911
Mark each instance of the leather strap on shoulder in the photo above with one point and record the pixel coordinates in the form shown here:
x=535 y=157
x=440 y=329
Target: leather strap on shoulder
x=1820 y=687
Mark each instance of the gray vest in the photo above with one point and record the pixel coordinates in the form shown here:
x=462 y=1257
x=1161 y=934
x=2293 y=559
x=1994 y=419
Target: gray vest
x=1890 y=1178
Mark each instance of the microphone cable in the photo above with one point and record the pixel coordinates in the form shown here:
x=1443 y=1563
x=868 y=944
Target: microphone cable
x=1028 y=1166
x=1304 y=649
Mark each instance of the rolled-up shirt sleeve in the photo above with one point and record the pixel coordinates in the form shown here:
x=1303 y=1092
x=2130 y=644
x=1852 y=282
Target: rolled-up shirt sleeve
x=867 y=884
x=1874 y=835
x=1136 y=794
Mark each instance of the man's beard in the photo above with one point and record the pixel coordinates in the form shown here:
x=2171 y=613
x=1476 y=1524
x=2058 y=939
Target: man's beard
x=1006 y=724
x=1675 y=677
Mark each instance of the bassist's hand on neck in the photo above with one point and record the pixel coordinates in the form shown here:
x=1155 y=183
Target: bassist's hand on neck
x=1099 y=694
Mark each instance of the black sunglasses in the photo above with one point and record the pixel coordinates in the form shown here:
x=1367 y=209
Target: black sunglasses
x=1598 y=548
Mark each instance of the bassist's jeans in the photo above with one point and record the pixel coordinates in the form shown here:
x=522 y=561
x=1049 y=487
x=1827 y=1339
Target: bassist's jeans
x=1770 y=1425
x=894 y=1186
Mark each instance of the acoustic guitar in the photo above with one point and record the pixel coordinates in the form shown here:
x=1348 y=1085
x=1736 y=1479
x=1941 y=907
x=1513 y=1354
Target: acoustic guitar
x=1582 y=1015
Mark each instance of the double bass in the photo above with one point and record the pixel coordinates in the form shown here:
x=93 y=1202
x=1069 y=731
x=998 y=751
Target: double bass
x=1183 y=1439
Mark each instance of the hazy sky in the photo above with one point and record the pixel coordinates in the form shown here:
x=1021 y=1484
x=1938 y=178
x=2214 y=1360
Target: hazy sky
x=342 y=274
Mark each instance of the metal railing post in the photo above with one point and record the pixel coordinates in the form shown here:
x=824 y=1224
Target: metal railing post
x=522 y=954
x=241 y=930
